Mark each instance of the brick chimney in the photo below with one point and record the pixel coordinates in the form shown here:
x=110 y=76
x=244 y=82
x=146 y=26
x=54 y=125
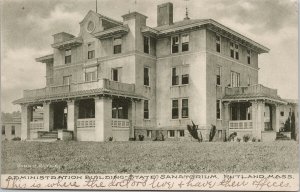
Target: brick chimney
x=165 y=14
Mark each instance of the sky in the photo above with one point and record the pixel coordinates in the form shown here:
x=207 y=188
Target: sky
x=27 y=27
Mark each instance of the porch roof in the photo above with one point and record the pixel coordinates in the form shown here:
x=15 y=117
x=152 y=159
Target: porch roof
x=78 y=94
x=253 y=97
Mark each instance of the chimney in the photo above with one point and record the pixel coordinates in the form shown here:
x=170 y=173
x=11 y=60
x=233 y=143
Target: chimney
x=165 y=14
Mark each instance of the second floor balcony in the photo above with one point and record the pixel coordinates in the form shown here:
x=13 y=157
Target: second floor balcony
x=99 y=86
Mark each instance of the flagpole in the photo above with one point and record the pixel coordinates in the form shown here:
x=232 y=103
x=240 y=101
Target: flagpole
x=96 y=7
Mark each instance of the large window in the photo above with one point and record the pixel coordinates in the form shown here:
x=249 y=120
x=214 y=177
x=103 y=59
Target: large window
x=218 y=107
x=146 y=44
x=146 y=109
x=13 y=130
x=91 y=51
x=218 y=43
x=185 y=108
x=175 y=114
x=249 y=56
x=86 y=108
x=175 y=76
x=185 y=39
x=115 y=74
x=119 y=109
x=68 y=54
x=146 y=76
x=117 y=45
x=218 y=75
x=234 y=79
x=175 y=44
x=67 y=80
x=3 y=129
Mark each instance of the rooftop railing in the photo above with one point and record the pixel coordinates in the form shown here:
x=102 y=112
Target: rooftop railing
x=253 y=89
x=100 y=83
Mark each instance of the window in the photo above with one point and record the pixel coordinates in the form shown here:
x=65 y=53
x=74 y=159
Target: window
x=235 y=79
x=185 y=108
x=249 y=80
x=3 y=129
x=13 y=130
x=180 y=133
x=91 y=51
x=218 y=109
x=282 y=113
x=115 y=74
x=146 y=109
x=249 y=56
x=231 y=50
x=236 y=48
x=175 y=44
x=119 y=109
x=117 y=45
x=90 y=74
x=185 y=79
x=175 y=77
x=218 y=43
x=149 y=133
x=218 y=75
x=175 y=114
x=146 y=76
x=66 y=80
x=171 y=133
x=68 y=54
x=185 y=39
x=146 y=44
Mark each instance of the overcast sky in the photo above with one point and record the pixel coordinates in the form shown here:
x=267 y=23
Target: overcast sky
x=28 y=26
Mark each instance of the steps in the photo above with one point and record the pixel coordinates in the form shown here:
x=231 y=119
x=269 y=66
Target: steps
x=49 y=135
x=280 y=136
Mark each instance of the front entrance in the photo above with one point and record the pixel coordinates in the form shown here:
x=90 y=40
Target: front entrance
x=60 y=115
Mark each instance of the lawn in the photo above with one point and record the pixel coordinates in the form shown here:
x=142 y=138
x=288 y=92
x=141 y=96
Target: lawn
x=148 y=157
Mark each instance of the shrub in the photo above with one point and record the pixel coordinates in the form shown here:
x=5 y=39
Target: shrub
x=110 y=138
x=258 y=140
x=238 y=139
x=193 y=130
x=212 y=132
x=253 y=139
x=246 y=138
x=232 y=136
x=141 y=137
x=16 y=139
x=132 y=139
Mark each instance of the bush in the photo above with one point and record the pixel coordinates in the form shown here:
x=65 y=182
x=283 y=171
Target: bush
x=246 y=138
x=193 y=130
x=16 y=139
x=253 y=139
x=141 y=137
x=110 y=138
x=232 y=136
x=238 y=139
x=212 y=132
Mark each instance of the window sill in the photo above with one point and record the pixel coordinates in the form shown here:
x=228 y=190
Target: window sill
x=219 y=119
x=182 y=85
x=147 y=86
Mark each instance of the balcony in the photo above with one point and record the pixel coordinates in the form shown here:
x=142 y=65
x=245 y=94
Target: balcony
x=104 y=84
x=251 y=92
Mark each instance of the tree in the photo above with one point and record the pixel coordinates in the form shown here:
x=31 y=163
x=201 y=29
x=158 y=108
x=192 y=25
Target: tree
x=193 y=130
x=293 y=132
x=212 y=132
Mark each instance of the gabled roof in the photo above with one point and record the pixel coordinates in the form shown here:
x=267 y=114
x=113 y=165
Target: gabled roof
x=101 y=16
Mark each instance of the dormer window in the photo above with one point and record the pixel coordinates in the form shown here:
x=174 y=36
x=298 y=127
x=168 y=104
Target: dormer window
x=185 y=39
x=117 y=45
x=175 y=44
x=68 y=54
x=91 y=51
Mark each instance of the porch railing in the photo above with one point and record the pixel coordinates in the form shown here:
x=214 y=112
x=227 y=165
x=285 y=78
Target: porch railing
x=100 y=83
x=36 y=125
x=120 y=123
x=253 y=89
x=245 y=124
x=86 y=123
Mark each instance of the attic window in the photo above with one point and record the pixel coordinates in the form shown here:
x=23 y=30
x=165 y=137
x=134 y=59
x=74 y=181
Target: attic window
x=185 y=39
x=90 y=26
x=117 y=45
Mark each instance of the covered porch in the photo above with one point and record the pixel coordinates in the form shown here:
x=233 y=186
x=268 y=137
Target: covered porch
x=253 y=111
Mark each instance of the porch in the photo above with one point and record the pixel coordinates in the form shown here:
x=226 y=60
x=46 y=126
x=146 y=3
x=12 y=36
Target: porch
x=253 y=111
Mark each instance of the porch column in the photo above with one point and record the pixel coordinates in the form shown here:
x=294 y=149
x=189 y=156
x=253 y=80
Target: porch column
x=103 y=117
x=276 y=120
x=48 y=116
x=131 y=116
x=226 y=117
x=72 y=117
x=26 y=117
x=258 y=109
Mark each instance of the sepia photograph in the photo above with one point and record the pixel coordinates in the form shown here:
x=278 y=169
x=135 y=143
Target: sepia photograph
x=149 y=94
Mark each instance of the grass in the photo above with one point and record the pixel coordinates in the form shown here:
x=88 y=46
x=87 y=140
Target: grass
x=148 y=157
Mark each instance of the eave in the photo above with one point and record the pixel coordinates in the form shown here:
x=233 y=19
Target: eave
x=68 y=44
x=45 y=59
x=115 y=31
x=149 y=31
